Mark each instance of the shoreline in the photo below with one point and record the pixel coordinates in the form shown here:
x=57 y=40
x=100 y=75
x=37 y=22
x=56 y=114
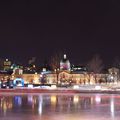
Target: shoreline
x=28 y=90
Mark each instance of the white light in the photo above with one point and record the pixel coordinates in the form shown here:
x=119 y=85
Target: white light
x=44 y=69
x=98 y=99
x=112 y=77
x=76 y=87
x=30 y=86
x=46 y=87
x=65 y=56
x=98 y=87
x=41 y=75
x=112 y=108
x=53 y=86
x=40 y=105
x=30 y=99
x=19 y=85
x=6 y=59
x=76 y=99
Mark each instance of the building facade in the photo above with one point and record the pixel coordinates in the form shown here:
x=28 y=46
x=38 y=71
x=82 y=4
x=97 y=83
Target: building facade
x=65 y=75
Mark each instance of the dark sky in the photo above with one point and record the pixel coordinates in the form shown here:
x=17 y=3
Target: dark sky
x=80 y=28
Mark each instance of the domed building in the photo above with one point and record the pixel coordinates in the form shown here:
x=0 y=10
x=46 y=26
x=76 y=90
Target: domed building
x=66 y=75
x=65 y=63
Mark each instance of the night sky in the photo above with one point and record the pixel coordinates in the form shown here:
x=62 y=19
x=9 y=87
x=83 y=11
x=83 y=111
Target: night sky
x=80 y=28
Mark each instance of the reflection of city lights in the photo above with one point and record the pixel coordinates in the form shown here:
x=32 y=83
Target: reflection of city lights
x=10 y=105
x=18 y=100
x=53 y=99
x=6 y=104
x=92 y=100
x=30 y=99
x=98 y=99
x=34 y=100
x=76 y=99
x=112 y=108
x=40 y=105
x=98 y=87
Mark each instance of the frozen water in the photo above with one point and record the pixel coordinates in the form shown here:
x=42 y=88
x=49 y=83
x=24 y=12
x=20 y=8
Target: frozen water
x=59 y=107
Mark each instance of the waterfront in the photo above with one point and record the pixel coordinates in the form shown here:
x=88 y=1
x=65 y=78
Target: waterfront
x=59 y=106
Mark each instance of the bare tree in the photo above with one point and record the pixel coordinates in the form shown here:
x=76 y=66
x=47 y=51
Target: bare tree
x=55 y=61
x=95 y=65
x=116 y=62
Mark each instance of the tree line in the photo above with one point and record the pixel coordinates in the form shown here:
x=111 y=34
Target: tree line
x=95 y=64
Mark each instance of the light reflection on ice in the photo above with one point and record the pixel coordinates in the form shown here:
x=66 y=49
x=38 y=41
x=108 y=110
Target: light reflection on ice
x=60 y=107
x=76 y=99
x=53 y=99
x=40 y=105
x=112 y=107
x=30 y=99
x=98 y=99
x=18 y=100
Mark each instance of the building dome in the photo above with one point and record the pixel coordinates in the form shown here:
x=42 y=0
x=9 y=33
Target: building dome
x=65 y=63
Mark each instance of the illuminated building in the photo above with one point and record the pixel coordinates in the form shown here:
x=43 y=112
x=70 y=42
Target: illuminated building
x=65 y=63
x=78 y=68
x=7 y=64
x=67 y=74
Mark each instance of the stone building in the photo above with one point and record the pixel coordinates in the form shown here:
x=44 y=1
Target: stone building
x=77 y=75
x=67 y=75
